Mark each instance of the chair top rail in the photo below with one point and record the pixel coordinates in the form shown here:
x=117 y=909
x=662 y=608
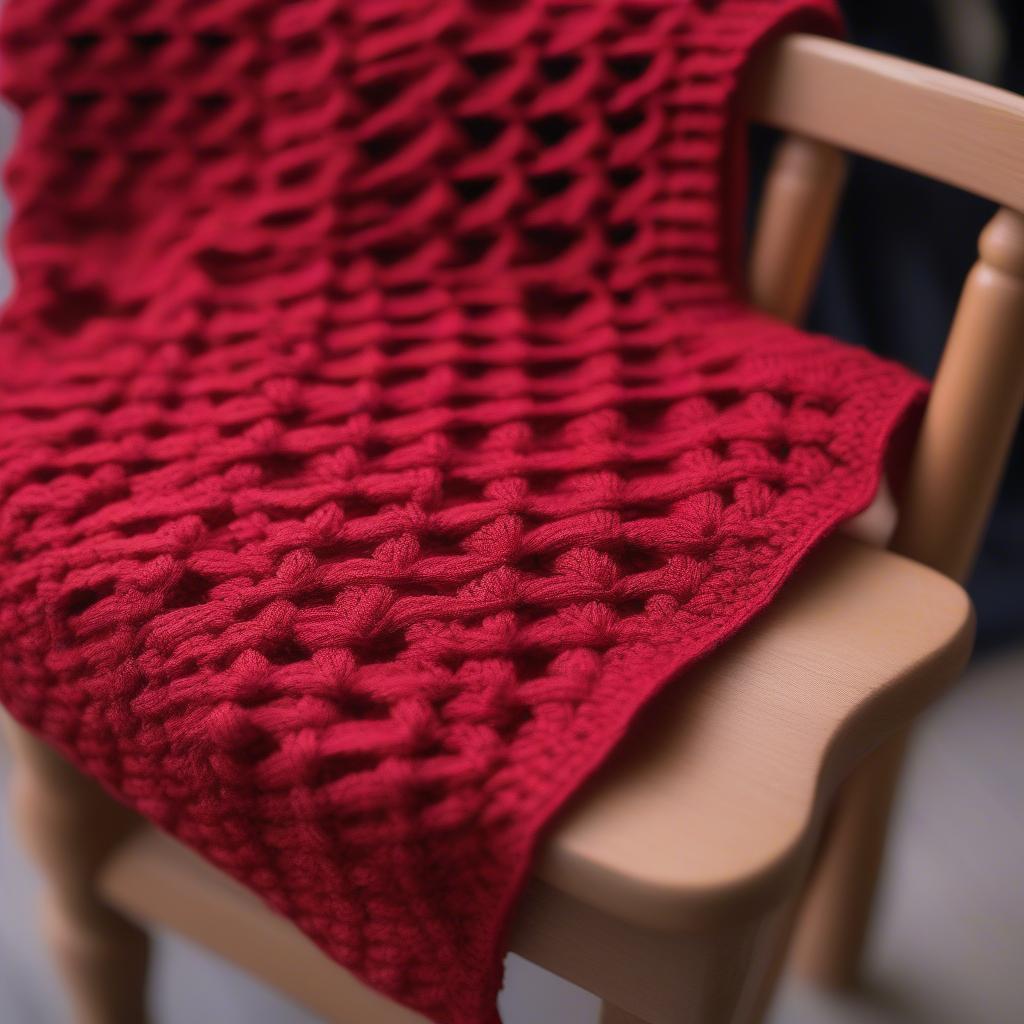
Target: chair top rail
x=940 y=125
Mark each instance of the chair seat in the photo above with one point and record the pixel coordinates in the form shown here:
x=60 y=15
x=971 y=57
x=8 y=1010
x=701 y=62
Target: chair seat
x=706 y=811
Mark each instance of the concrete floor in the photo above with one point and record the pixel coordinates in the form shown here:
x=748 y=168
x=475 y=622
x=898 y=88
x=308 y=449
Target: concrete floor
x=949 y=947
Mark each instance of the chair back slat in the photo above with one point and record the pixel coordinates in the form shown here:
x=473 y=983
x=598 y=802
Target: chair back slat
x=939 y=125
x=828 y=94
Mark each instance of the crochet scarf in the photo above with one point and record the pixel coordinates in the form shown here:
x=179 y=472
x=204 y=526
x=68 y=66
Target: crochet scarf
x=382 y=424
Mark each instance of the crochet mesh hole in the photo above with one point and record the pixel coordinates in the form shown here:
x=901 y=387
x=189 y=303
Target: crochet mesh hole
x=97 y=501
x=74 y=308
x=714 y=367
x=383 y=91
x=338 y=551
x=190 y=590
x=629 y=606
x=639 y=469
x=212 y=42
x=148 y=43
x=470 y=250
x=286 y=652
x=256 y=750
x=284 y=219
x=724 y=398
x=497 y=6
x=472 y=371
x=79 y=105
x=532 y=663
x=304 y=46
x=44 y=474
x=543 y=481
x=625 y=121
x=482 y=130
x=226 y=267
x=645 y=414
x=484 y=65
x=620 y=234
x=545 y=301
x=81 y=599
x=144 y=105
x=333 y=767
x=398 y=376
x=552 y=128
x=630 y=67
x=472 y=189
x=382 y=147
x=313 y=597
x=639 y=15
x=535 y=564
x=359 y=506
x=82 y=436
x=457 y=401
x=195 y=345
x=635 y=356
x=362 y=705
x=543 y=367
x=551 y=184
x=560 y=67
x=460 y=490
x=138 y=527
x=434 y=543
x=623 y=177
x=726 y=493
x=298 y=174
x=382 y=648
x=217 y=518
x=633 y=558
x=281 y=466
x=467 y=435
x=81 y=42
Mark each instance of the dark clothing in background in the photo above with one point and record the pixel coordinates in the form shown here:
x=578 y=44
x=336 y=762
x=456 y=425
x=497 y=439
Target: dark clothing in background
x=902 y=248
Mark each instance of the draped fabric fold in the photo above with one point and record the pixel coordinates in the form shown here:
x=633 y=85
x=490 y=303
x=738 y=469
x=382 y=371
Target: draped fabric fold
x=382 y=424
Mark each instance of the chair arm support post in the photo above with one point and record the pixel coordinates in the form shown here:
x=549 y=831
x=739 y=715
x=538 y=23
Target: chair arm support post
x=973 y=410
x=802 y=191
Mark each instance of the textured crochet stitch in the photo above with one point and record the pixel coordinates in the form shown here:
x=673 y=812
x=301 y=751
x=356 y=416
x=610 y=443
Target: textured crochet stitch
x=381 y=425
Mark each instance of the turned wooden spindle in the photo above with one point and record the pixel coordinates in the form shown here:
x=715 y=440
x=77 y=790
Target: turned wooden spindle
x=801 y=193
x=961 y=450
x=70 y=826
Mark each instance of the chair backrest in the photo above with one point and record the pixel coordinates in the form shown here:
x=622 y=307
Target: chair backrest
x=830 y=96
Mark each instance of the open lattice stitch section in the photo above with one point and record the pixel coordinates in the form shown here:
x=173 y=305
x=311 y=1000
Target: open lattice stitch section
x=381 y=426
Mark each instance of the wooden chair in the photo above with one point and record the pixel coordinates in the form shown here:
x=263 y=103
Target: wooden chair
x=672 y=884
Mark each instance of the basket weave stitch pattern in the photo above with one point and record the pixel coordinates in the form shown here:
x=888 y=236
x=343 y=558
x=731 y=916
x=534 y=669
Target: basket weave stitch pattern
x=381 y=425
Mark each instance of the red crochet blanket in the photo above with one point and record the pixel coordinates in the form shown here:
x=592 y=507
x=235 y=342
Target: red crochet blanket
x=381 y=425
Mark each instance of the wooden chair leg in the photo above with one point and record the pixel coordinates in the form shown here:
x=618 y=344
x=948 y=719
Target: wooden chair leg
x=70 y=825
x=736 y=980
x=840 y=899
